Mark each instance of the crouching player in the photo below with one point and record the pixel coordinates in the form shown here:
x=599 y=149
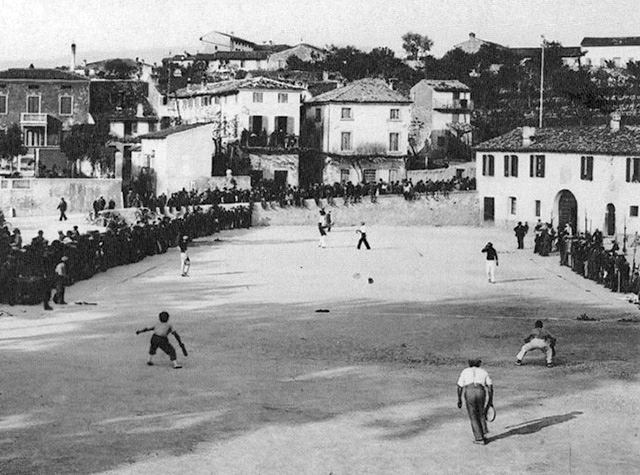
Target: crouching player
x=160 y=339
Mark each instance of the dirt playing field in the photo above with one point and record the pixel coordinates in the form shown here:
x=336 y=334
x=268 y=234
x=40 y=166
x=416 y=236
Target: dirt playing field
x=271 y=386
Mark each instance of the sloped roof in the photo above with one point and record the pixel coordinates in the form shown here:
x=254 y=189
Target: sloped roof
x=230 y=87
x=232 y=37
x=594 y=140
x=163 y=134
x=446 y=85
x=364 y=90
x=227 y=55
x=611 y=41
x=565 y=51
x=34 y=74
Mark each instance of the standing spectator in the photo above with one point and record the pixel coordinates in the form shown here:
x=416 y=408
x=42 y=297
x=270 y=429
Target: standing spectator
x=327 y=221
x=521 y=232
x=62 y=206
x=363 y=236
x=477 y=387
x=16 y=240
x=185 y=262
x=61 y=276
x=491 y=262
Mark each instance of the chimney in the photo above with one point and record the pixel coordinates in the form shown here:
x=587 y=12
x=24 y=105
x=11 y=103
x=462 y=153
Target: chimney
x=528 y=136
x=472 y=36
x=73 y=57
x=614 y=123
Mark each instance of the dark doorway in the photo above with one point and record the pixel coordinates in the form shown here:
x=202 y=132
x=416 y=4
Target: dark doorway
x=610 y=220
x=489 y=208
x=567 y=210
x=256 y=124
x=281 y=124
x=280 y=177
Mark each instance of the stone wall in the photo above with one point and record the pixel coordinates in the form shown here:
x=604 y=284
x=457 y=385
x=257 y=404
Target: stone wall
x=40 y=196
x=459 y=209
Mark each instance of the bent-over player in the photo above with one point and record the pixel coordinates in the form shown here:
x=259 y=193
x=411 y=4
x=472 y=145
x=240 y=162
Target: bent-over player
x=160 y=339
x=539 y=339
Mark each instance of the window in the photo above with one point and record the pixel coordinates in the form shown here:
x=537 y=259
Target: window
x=257 y=97
x=344 y=175
x=283 y=97
x=394 y=114
x=369 y=175
x=511 y=165
x=206 y=101
x=66 y=105
x=586 y=168
x=633 y=211
x=537 y=208
x=318 y=114
x=33 y=104
x=487 y=165
x=394 y=138
x=512 y=205
x=216 y=100
x=633 y=170
x=536 y=166
x=3 y=103
x=455 y=118
x=346 y=113
x=345 y=144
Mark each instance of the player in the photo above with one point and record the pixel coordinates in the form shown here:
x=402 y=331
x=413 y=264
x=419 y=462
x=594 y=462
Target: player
x=477 y=387
x=363 y=236
x=160 y=339
x=321 y=227
x=491 y=262
x=539 y=339
x=185 y=262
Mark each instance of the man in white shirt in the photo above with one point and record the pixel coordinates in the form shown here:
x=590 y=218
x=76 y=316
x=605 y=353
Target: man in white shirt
x=477 y=387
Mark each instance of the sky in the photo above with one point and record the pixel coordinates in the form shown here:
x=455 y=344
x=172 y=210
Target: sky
x=40 y=32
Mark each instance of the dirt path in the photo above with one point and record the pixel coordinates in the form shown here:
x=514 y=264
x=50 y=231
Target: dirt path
x=272 y=386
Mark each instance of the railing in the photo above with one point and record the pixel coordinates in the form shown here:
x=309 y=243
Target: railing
x=453 y=104
x=30 y=118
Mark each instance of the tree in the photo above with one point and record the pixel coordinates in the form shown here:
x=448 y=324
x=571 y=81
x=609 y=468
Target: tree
x=119 y=69
x=89 y=142
x=11 y=145
x=416 y=45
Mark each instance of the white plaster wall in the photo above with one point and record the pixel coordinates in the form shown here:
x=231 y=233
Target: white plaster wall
x=40 y=196
x=562 y=172
x=597 y=54
x=370 y=124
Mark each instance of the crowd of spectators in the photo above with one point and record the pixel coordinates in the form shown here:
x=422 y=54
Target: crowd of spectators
x=270 y=191
x=587 y=256
x=27 y=269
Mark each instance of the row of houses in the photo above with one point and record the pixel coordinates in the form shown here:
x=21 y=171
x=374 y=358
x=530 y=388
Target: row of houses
x=593 y=51
x=361 y=130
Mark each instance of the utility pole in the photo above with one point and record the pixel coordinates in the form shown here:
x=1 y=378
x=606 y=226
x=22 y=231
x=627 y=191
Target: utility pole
x=542 y=45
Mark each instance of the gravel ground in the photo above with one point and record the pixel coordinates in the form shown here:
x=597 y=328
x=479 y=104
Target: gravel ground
x=272 y=386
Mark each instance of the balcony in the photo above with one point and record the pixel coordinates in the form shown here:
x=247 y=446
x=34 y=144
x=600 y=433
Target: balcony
x=454 y=105
x=28 y=118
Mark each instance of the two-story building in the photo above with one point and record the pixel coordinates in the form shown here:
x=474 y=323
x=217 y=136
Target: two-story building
x=613 y=50
x=44 y=103
x=441 y=117
x=586 y=176
x=361 y=131
x=261 y=114
x=218 y=41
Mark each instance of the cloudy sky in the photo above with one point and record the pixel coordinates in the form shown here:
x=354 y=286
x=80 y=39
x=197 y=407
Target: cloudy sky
x=41 y=31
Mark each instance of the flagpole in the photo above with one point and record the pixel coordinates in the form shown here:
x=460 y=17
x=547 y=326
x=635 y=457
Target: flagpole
x=541 y=79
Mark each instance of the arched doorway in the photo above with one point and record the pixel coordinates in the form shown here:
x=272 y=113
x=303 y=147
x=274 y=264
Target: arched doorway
x=610 y=220
x=567 y=210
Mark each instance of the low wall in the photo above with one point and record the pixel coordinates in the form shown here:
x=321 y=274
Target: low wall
x=468 y=170
x=243 y=182
x=461 y=208
x=40 y=196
